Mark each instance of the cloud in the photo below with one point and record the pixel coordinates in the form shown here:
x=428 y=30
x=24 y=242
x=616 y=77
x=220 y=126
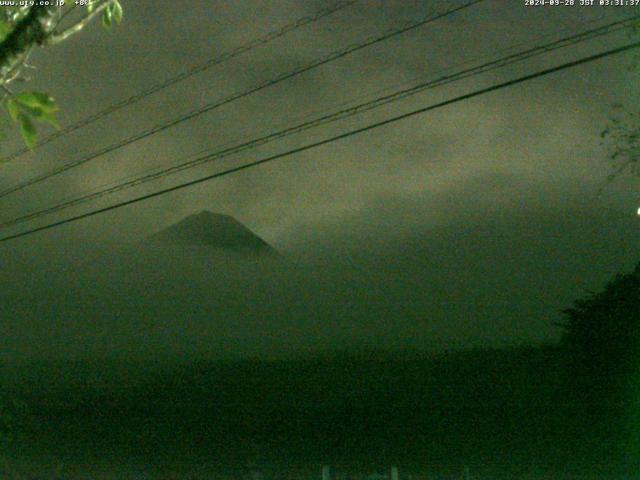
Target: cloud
x=470 y=224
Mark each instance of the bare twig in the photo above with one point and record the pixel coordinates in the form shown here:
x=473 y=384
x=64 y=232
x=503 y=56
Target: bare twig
x=64 y=15
x=79 y=25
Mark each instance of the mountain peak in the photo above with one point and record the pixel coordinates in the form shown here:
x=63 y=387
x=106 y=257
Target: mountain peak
x=214 y=230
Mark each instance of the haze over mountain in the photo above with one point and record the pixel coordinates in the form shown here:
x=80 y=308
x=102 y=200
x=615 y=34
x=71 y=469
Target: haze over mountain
x=209 y=286
x=205 y=286
x=198 y=250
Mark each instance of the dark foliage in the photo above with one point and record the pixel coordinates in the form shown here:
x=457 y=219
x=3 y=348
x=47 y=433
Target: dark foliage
x=602 y=347
x=602 y=337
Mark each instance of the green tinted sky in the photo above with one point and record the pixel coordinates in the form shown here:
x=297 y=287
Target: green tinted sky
x=488 y=209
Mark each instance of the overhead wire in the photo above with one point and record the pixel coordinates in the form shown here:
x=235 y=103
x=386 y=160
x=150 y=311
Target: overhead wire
x=330 y=118
x=245 y=93
x=350 y=133
x=357 y=98
x=194 y=70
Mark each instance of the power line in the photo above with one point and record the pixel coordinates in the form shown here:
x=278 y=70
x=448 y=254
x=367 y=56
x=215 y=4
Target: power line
x=211 y=106
x=335 y=138
x=356 y=98
x=196 y=69
x=329 y=118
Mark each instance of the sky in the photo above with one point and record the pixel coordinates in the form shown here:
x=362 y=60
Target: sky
x=486 y=213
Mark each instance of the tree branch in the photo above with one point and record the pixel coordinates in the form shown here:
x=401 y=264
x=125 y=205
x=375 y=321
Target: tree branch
x=32 y=30
x=76 y=27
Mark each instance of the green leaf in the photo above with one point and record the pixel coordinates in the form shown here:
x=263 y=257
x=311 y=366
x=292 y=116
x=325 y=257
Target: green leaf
x=28 y=106
x=41 y=115
x=33 y=111
x=107 y=16
x=116 y=11
x=28 y=130
x=51 y=119
x=5 y=28
x=39 y=100
x=91 y=6
x=13 y=108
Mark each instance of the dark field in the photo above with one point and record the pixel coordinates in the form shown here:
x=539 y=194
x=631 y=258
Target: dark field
x=503 y=413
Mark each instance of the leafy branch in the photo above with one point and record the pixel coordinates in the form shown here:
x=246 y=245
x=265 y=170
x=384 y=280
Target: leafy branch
x=28 y=106
x=110 y=11
x=25 y=27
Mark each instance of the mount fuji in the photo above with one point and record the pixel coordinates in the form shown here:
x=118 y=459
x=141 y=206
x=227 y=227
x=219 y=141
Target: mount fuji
x=208 y=229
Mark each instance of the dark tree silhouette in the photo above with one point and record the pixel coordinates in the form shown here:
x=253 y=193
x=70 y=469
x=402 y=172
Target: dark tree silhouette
x=602 y=338
x=602 y=344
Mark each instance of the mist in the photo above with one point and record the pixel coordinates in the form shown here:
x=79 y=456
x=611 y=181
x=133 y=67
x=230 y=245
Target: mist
x=378 y=279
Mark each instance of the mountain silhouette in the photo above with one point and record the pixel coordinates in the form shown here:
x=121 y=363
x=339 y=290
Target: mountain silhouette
x=208 y=229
